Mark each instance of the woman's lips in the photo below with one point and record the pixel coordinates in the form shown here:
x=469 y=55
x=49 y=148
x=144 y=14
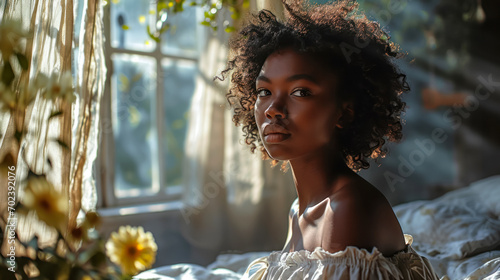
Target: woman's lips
x=276 y=137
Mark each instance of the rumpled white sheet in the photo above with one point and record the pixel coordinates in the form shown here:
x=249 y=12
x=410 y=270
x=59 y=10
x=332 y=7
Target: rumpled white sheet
x=226 y=267
x=459 y=233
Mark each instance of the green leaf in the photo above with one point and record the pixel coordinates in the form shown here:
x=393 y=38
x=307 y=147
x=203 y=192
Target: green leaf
x=246 y=4
x=151 y=35
x=230 y=29
x=164 y=28
x=178 y=8
x=125 y=27
x=161 y=5
x=98 y=259
x=7 y=74
x=23 y=61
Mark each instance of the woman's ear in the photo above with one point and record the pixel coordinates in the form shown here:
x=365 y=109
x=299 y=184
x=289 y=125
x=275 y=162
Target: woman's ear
x=346 y=115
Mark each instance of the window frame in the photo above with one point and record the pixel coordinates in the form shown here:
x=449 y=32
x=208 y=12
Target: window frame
x=104 y=167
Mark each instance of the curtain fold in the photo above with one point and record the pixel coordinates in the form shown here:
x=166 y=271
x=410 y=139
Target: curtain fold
x=234 y=200
x=66 y=36
x=91 y=75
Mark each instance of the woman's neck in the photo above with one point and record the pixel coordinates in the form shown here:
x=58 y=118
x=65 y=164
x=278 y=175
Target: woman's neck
x=317 y=177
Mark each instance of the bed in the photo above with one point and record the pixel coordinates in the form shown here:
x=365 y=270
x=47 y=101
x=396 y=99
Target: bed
x=458 y=232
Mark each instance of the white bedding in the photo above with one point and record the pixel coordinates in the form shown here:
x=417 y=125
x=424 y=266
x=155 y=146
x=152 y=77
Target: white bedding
x=459 y=233
x=226 y=267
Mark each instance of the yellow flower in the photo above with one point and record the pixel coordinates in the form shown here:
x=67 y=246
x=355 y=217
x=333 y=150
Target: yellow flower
x=92 y=220
x=132 y=249
x=9 y=100
x=11 y=32
x=78 y=234
x=50 y=205
x=59 y=86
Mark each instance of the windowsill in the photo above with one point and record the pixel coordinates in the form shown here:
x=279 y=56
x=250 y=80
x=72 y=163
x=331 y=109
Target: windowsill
x=137 y=198
x=176 y=205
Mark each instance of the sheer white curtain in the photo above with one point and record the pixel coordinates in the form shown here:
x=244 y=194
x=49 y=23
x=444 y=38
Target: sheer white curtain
x=235 y=201
x=67 y=36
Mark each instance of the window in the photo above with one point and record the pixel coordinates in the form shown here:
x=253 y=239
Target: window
x=145 y=109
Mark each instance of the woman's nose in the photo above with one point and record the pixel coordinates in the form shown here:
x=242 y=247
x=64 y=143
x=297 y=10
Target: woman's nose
x=276 y=109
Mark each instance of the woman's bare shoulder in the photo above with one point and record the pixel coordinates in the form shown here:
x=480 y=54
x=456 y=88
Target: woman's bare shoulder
x=360 y=215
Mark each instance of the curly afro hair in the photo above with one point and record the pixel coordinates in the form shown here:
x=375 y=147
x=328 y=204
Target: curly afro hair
x=355 y=47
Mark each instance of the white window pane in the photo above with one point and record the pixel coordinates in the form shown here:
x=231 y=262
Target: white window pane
x=179 y=85
x=134 y=125
x=128 y=25
x=182 y=38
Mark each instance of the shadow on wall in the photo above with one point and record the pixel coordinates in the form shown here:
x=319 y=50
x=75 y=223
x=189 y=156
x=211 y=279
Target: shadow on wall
x=451 y=136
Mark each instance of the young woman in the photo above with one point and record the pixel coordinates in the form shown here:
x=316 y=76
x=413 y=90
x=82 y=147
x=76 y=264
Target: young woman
x=320 y=92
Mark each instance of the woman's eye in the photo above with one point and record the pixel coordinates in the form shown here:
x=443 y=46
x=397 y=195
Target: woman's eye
x=263 y=92
x=301 y=92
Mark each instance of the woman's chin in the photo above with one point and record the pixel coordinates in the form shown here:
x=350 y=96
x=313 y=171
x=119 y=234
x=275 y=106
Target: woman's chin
x=278 y=156
x=278 y=152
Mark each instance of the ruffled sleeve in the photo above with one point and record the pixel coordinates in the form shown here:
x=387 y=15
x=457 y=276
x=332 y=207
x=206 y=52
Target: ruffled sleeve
x=351 y=263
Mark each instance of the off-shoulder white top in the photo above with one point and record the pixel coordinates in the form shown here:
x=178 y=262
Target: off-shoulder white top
x=351 y=263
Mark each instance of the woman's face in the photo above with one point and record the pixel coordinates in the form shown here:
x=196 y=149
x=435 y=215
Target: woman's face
x=296 y=100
